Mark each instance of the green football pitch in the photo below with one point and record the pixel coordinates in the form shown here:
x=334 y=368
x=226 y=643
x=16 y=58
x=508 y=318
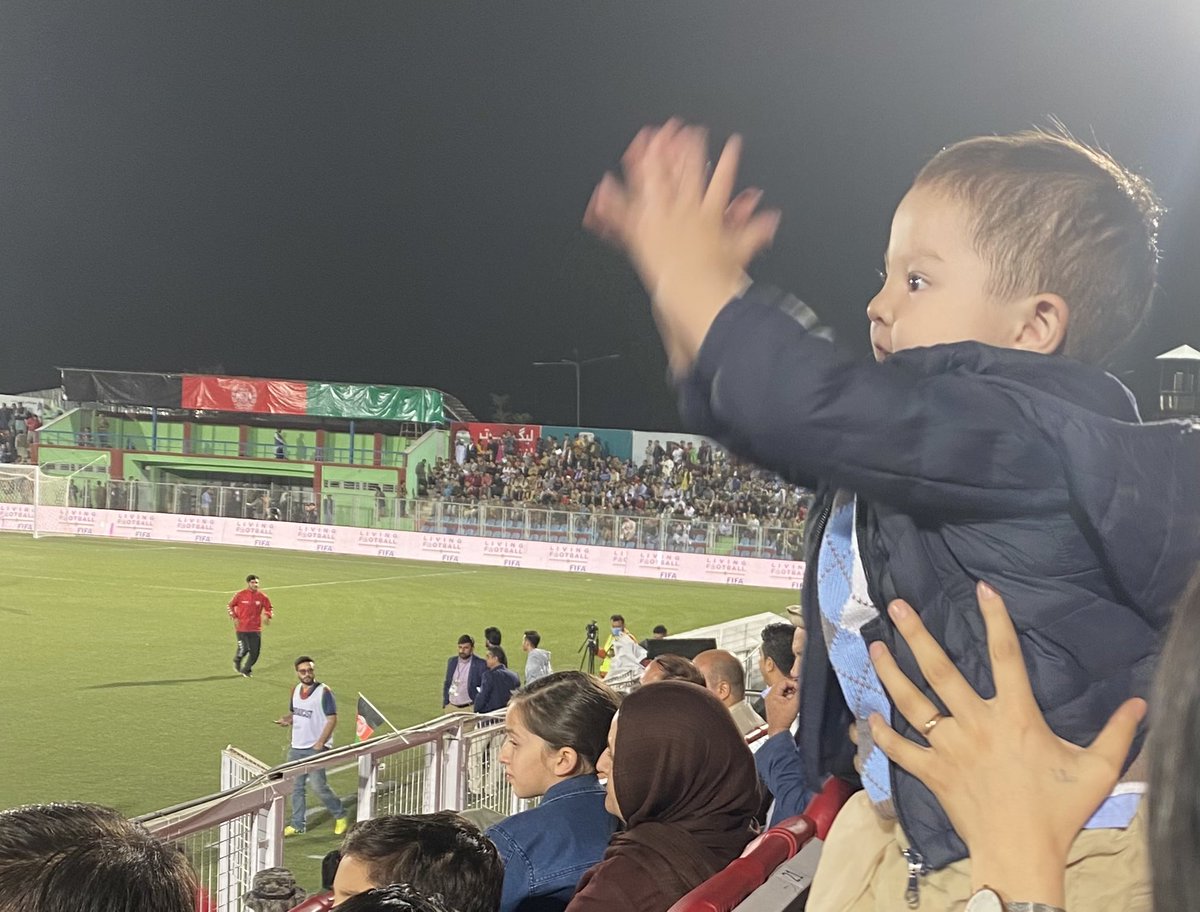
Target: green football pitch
x=117 y=656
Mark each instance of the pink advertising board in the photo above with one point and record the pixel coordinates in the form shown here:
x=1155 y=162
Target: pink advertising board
x=455 y=549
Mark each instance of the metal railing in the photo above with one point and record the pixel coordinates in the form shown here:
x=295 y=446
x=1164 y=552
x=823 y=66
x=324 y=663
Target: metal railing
x=233 y=834
x=654 y=532
x=176 y=445
x=382 y=507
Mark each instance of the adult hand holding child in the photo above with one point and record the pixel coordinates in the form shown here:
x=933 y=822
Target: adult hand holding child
x=1016 y=793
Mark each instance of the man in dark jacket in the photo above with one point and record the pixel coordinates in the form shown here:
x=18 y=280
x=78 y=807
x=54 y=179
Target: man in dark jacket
x=498 y=682
x=464 y=674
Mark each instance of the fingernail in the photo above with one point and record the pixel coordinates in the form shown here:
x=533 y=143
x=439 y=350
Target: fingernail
x=986 y=591
x=876 y=649
x=898 y=610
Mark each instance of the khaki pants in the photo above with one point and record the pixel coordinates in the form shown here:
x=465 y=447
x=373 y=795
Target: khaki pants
x=862 y=869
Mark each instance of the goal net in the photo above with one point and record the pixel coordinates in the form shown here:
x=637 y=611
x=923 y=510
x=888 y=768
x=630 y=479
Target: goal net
x=29 y=496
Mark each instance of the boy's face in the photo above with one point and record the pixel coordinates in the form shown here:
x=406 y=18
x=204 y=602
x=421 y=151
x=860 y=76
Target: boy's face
x=935 y=289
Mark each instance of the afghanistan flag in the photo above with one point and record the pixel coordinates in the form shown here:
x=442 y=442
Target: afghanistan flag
x=368 y=719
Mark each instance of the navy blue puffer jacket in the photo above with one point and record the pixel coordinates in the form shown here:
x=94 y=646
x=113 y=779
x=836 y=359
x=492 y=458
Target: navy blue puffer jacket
x=969 y=462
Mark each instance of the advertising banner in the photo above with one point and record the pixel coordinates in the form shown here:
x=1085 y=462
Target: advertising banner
x=526 y=434
x=442 y=549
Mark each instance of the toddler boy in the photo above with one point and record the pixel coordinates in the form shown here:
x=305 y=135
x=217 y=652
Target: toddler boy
x=982 y=444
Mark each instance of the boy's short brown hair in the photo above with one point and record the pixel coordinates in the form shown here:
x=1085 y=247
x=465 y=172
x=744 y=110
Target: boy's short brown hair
x=1051 y=214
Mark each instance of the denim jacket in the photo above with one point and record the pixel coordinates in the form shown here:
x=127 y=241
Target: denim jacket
x=548 y=848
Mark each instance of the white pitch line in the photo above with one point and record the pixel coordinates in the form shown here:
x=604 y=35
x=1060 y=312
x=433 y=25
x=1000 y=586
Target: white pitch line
x=370 y=579
x=270 y=589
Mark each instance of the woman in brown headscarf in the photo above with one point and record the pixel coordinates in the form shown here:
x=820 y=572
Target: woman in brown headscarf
x=683 y=780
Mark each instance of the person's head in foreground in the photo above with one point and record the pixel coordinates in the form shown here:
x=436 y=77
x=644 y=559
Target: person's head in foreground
x=683 y=780
x=671 y=667
x=87 y=858
x=1173 y=746
x=399 y=897
x=556 y=728
x=1032 y=241
x=436 y=853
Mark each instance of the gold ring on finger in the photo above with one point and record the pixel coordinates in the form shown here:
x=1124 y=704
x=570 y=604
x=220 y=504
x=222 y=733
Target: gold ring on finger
x=931 y=724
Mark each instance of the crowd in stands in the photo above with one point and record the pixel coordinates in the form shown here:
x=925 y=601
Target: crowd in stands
x=18 y=429
x=678 y=486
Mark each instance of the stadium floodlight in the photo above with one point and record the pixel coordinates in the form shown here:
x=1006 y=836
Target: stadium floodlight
x=577 y=364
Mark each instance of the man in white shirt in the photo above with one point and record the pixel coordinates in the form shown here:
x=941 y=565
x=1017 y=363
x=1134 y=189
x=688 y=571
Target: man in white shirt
x=312 y=717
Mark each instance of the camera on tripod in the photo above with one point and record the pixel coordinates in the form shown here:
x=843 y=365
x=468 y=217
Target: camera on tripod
x=590 y=646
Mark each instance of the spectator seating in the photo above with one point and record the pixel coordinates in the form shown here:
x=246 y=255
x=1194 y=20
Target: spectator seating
x=795 y=843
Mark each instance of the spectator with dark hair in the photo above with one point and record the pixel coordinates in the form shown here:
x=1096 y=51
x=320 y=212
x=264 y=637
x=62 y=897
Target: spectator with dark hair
x=683 y=780
x=398 y=897
x=537 y=660
x=776 y=657
x=498 y=682
x=441 y=854
x=659 y=631
x=670 y=667
x=617 y=632
x=464 y=675
x=557 y=729
x=86 y=858
x=492 y=636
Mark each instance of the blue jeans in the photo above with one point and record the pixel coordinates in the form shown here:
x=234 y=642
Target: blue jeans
x=320 y=786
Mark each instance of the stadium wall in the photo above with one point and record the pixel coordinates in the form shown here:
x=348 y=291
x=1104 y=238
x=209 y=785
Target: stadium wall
x=456 y=549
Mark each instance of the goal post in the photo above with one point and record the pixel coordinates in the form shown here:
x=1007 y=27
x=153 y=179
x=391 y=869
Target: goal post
x=29 y=496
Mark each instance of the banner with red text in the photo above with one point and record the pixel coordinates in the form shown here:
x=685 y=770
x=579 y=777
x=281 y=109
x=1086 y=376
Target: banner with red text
x=526 y=435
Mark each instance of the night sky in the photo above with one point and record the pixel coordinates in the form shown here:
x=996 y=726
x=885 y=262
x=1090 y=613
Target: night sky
x=391 y=192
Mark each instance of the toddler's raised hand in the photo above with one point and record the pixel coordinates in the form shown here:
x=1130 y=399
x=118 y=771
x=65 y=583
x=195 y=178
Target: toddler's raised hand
x=689 y=239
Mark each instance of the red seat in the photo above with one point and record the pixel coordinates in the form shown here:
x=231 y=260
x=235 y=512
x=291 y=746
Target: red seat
x=322 y=902
x=742 y=876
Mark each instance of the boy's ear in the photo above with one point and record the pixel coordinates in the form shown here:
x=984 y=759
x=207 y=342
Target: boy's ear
x=1043 y=329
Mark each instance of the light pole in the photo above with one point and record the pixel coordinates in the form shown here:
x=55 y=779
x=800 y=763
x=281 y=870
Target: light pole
x=577 y=364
